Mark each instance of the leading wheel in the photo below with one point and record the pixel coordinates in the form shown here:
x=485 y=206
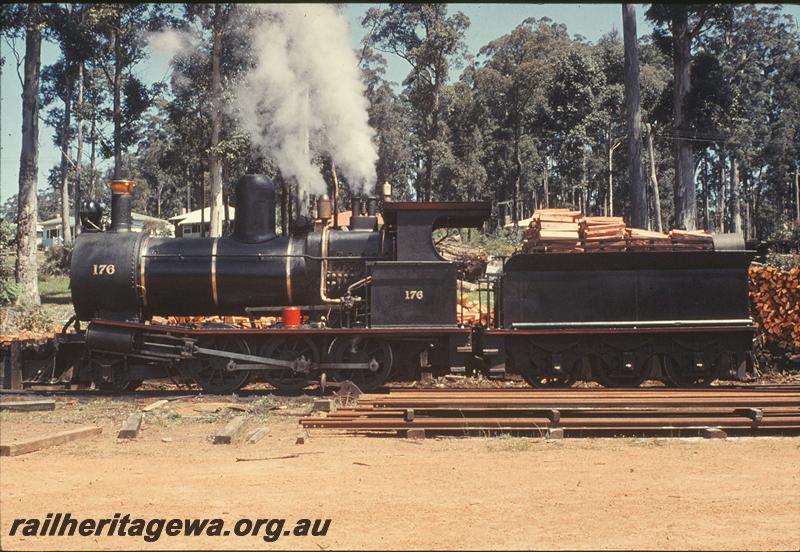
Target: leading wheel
x=112 y=376
x=363 y=350
x=298 y=349
x=212 y=374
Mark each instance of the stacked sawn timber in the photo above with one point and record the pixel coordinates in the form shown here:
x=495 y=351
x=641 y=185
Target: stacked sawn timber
x=775 y=298
x=562 y=230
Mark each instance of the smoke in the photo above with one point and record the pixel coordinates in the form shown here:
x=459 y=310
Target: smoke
x=306 y=87
x=171 y=43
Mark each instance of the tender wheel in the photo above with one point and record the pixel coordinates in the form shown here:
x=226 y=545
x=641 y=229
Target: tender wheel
x=363 y=350
x=680 y=372
x=614 y=373
x=211 y=373
x=533 y=376
x=290 y=348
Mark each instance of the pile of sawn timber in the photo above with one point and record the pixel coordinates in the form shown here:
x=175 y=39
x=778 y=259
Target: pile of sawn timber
x=566 y=231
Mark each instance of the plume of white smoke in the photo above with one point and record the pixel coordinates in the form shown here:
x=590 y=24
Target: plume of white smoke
x=305 y=86
x=171 y=43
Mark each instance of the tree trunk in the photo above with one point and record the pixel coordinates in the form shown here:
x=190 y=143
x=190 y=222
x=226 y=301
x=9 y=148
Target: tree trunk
x=214 y=162
x=66 y=139
x=705 y=190
x=546 y=183
x=654 y=179
x=79 y=159
x=721 y=224
x=611 y=148
x=117 y=106
x=517 y=175
x=685 y=192
x=93 y=155
x=797 y=192
x=639 y=215
x=25 y=268
x=734 y=208
x=433 y=135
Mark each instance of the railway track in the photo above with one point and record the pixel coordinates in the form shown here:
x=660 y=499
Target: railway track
x=576 y=412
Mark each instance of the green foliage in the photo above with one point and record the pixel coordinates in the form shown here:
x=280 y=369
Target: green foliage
x=57 y=260
x=9 y=290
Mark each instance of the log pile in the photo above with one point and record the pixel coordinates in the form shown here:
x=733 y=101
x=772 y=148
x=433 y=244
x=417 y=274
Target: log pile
x=471 y=259
x=471 y=311
x=775 y=301
x=31 y=337
x=203 y=321
x=565 y=231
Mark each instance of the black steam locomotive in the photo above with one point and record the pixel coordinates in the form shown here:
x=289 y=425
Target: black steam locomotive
x=377 y=302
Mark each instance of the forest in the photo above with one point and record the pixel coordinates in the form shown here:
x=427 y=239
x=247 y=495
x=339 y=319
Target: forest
x=695 y=125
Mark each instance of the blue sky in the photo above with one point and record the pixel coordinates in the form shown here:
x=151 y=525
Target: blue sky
x=488 y=21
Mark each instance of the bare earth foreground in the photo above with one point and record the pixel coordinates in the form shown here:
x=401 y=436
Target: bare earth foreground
x=390 y=493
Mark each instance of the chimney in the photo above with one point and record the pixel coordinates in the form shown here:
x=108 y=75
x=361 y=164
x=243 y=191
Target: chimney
x=121 y=205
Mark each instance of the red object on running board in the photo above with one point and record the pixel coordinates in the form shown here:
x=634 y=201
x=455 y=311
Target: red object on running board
x=291 y=317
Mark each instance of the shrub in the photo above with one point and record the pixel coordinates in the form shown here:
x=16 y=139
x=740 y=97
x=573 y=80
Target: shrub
x=57 y=260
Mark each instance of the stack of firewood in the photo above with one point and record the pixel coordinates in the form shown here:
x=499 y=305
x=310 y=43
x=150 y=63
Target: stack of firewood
x=558 y=225
x=775 y=300
x=471 y=311
x=201 y=321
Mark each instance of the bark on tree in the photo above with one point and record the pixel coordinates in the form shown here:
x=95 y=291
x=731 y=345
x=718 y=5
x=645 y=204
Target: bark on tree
x=685 y=192
x=611 y=149
x=92 y=192
x=705 y=190
x=214 y=162
x=797 y=192
x=721 y=224
x=734 y=208
x=66 y=146
x=25 y=268
x=546 y=183
x=79 y=159
x=117 y=103
x=654 y=179
x=639 y=215
x=517 y=174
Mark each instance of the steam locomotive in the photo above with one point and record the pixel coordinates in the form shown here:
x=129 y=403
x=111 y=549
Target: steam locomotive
x=374 y=302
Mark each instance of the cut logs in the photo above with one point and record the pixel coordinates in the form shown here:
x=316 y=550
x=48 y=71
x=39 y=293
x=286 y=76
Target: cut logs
x=775 y=300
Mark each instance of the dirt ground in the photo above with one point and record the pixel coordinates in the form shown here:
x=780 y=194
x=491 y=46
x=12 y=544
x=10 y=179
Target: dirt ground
x=390 y=493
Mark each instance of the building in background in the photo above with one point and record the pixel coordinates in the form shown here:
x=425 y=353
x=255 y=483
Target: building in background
x=189 y=225
x=48 y=232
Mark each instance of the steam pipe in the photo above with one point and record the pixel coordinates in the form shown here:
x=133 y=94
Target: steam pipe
x=323 y=285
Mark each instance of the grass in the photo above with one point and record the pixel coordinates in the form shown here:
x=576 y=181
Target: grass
x=54 y=289
x=56 y=298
